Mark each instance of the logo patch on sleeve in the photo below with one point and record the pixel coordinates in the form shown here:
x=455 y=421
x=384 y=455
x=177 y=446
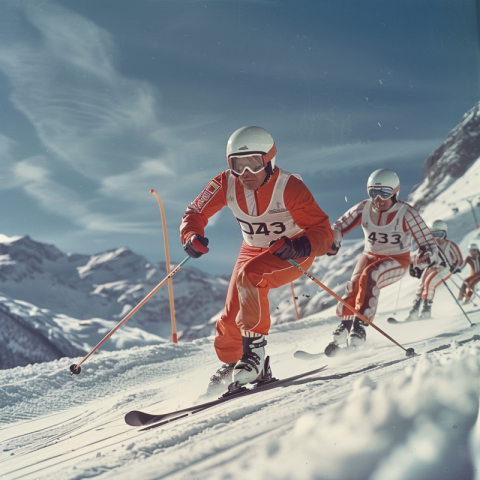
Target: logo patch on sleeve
x=210 y=190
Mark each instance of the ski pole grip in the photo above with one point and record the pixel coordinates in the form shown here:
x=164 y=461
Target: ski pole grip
x=276 y=245
x=200 y=243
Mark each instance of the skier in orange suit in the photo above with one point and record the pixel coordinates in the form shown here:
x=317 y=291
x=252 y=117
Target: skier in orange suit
x=276 y=213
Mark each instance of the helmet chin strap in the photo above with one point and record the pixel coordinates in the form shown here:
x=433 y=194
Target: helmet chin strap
x=269 y=171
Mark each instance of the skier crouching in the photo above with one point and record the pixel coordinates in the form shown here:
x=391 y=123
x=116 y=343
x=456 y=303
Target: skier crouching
x=450 y=261
x=271 y=205
x=389 y=225
x=469 y=284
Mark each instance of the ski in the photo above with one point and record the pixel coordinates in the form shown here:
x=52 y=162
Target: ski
x=136 y=418
x=394 y=321
x=301 y=355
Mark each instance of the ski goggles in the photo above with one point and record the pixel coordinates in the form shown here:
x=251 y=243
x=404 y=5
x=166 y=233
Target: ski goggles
x=382 y=192
x=473 y=250
x=439 y=233
x=239 y=163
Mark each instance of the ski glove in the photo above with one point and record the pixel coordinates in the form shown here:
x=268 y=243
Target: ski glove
x=196 y=246
x=333 y=249
x=424 y=258
x=286 y=248
x=455 y=269
x=415 y=271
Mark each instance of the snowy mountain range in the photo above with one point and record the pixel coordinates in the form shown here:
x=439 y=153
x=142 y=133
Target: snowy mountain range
x=54 y=304
x=63 y=304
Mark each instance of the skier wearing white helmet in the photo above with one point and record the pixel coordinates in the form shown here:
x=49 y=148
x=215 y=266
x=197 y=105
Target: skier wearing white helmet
x=279 y=220
x=450 y=261
x=469 y=284
x=389 y=226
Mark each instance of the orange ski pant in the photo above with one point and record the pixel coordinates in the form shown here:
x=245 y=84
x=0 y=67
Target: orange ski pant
x=247 y=309
x=372 y=273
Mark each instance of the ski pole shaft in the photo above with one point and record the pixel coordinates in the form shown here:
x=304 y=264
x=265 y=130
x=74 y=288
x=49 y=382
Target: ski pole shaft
x=472 y=289
x=444 y=259
x=357 y=313
x=458 y=303
x=75 y=369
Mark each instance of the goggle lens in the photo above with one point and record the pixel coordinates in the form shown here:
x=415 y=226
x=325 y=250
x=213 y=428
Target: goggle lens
x=439 y=234
x=238 y=164
x=383 y=192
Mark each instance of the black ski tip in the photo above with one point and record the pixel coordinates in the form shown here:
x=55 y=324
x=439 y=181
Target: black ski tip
x=332 y=349
x=410 y=352
x=75 y=369
x=392 y=320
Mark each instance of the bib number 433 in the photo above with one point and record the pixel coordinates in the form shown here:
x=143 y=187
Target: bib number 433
x=393 y=239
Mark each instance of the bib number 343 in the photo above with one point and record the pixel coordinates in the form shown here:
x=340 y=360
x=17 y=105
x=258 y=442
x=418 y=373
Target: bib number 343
x=261 y=228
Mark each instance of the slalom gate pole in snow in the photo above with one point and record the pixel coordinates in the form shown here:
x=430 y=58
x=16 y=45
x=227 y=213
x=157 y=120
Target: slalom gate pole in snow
x=398 y=296
x=167 y=260
x=294 y=301
x=409 y=351
x=75 y=369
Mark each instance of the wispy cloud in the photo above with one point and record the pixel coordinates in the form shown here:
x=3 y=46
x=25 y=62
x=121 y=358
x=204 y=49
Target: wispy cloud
x=65 y=81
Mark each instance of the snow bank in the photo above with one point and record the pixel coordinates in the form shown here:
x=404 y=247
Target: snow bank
x=416 y=426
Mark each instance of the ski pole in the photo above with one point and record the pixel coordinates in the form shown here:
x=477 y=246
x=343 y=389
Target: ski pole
x=409 y=351
x=473 y=289
x=460 y=289
x=458 y=303
x=167 y=261
x=444 y=259
x=76 y=369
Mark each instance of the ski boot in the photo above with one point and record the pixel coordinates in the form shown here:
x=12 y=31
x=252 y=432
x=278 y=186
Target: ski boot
x=253 y=367
x=357 y=335
x=221 y=379
x=413 y=313
x=426 y=310
x=339 y=337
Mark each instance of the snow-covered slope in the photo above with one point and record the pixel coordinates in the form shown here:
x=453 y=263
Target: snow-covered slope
x=53 y=304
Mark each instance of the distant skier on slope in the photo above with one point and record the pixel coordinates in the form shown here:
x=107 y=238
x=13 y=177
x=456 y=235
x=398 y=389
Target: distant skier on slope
x=450 y=261
x=271 y=205
x=468 y=286
x=389 y=225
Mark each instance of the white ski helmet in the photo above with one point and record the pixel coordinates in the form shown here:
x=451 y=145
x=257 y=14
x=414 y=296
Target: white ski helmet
x=473 y=246
x=384 y=178
x=251 y=140
x=439 y=226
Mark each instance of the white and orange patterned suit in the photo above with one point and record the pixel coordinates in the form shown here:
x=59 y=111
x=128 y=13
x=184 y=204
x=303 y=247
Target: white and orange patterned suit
x=386 y=256
x=282 y=207
x=468 y=286
x=449 y=260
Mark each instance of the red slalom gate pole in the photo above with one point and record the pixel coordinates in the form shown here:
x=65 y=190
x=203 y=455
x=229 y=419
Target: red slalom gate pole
x=75 y=369
x=167 y=260
x=294 y=302
x=409 y=351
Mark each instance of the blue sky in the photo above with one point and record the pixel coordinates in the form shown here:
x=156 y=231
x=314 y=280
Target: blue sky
x=102 y=100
